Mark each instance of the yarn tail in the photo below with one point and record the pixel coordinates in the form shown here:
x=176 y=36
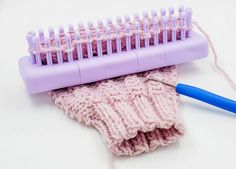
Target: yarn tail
x=216 y=64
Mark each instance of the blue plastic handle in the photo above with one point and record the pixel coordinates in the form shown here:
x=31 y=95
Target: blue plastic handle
x=207 y=97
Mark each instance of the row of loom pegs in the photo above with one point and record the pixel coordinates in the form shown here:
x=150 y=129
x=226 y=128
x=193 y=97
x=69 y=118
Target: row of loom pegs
x=159 y=24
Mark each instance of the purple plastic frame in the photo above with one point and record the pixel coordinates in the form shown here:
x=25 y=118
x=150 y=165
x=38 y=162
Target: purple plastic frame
x=44 y=78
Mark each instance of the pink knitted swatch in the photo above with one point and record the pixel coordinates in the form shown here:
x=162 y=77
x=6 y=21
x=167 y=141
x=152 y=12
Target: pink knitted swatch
x=132 y=116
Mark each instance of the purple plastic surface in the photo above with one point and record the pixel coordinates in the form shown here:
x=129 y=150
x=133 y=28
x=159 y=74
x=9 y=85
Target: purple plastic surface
x=39 y=79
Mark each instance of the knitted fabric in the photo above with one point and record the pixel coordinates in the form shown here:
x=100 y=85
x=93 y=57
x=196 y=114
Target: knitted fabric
x=132 y=116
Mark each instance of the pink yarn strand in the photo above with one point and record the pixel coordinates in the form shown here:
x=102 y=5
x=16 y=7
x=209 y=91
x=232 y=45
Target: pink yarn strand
x=111 y=160
x=216 y=57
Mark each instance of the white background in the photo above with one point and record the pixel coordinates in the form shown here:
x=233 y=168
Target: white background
x=34 y=134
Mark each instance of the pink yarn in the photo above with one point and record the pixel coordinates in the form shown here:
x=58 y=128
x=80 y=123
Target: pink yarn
x=132 y=116
x=216 y=63
x=53 y=49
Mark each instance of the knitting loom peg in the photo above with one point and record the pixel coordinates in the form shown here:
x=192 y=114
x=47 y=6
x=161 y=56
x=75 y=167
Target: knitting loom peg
x=183 y=26
x=136 y=17
x=171 y=11
x=79 y=46
x=145 y=15
x=146 y=31
x=29 y=38
x=173 y=28
x=118 y=39
x=59 y=52
x=137 y=35
x=41 y=35
x=48 y=53
x=109 y=46
x=118 y=20
x=61 y=30
x=155 y=29
x=70 y=28
x=163 y=12
x=37 y=51
x=128 y=41
x=154 y=14
x=69 y=48
x=164 y=29
x=89 y=44
x=51 y=33
x=127 y=19
x=99 y=42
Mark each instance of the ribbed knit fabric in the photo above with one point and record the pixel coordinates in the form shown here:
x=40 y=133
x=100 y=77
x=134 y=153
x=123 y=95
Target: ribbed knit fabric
x=132 y=116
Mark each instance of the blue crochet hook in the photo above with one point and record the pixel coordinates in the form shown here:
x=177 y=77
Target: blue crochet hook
x=203 y=95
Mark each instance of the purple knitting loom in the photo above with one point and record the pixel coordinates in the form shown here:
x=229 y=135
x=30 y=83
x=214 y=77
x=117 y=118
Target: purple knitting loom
x=91 y=54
